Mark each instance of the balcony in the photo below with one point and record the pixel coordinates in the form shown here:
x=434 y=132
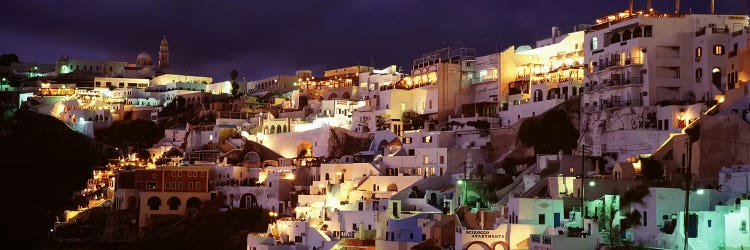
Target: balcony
x=625 y=103
x=712 y=30
x=616 y=62
x=625 y=81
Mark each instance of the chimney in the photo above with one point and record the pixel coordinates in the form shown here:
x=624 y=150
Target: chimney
x=712 y=7
x=555 y=31
x=677 y=6
x=630 y=7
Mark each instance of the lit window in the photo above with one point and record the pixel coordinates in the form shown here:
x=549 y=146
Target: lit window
x=698 y=52
x=407 y=140
x=594 y=43
x=427 y=139
x=426 y=159
x=403 y=106
x=718 y=50
x=419 y=171
x=493 y=73
x=151 y=185
x=571 y=170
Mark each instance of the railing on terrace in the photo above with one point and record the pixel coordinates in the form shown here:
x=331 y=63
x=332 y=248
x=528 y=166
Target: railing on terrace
x=558 y=80
x=737 y=33
x=483 y=79
x=412 y=86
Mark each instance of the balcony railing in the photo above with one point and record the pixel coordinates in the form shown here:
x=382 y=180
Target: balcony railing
x=613 y=104
x=412 y=86
x=713 y=31
x=624 y=81
x=616 y=62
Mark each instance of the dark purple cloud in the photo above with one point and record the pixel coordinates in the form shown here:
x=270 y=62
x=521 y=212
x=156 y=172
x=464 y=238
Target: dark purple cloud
x=262 y=38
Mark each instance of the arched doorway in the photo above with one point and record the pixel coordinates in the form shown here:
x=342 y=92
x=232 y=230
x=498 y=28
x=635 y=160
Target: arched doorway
x=193 y=203
x=392 y=187
x=346 y=95
x=248 y=200
x=154 y=203
x=716 y=77
x=333 y=96
x=538 y=95
x=173 y=203
x=433 y=198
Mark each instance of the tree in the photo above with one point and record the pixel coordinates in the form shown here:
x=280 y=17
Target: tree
x=7 y=59
x=235 y=86
x=550 y=134
x=652 y=169
x=610 y=215
x=60 y=159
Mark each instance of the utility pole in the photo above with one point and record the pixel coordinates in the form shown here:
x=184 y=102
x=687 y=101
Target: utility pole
x=688 y=177
x=583 y=184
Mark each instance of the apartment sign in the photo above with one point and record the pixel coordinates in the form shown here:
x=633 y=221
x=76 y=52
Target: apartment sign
x=483 y=234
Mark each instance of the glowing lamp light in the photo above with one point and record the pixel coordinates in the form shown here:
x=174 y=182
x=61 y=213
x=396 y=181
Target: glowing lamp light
x=460 y=182
x=721 y=99
x=700 y=191
x=592 y=183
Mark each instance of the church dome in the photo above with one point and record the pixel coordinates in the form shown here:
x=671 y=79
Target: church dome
x=143 y=59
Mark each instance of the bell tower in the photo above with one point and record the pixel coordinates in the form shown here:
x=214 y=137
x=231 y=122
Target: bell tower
x=164 y=53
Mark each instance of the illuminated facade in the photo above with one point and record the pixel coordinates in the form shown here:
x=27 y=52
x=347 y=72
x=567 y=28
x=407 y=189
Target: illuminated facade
x=274 y=85
x=533 y=81
x=645 y=71
x=65 y=65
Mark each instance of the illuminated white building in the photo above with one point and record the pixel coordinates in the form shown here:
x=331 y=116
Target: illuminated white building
x=533 y=81
x=638 y=64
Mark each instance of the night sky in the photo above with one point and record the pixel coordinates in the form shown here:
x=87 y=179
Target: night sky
x=264 y=38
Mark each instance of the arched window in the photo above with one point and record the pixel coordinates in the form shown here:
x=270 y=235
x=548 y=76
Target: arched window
x=698 y=52
x=154 y=203
x=173 y=203
x=193 y=202
x=698 y=74
x=615 y=38
x=637 y=32
x=716 y=77
x=626 y=35
x=594 y=43
x=718 y=49
x=538 y=95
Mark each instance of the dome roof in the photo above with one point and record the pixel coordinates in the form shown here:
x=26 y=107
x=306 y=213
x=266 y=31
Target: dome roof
x=143 y=59
x=143 y=55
